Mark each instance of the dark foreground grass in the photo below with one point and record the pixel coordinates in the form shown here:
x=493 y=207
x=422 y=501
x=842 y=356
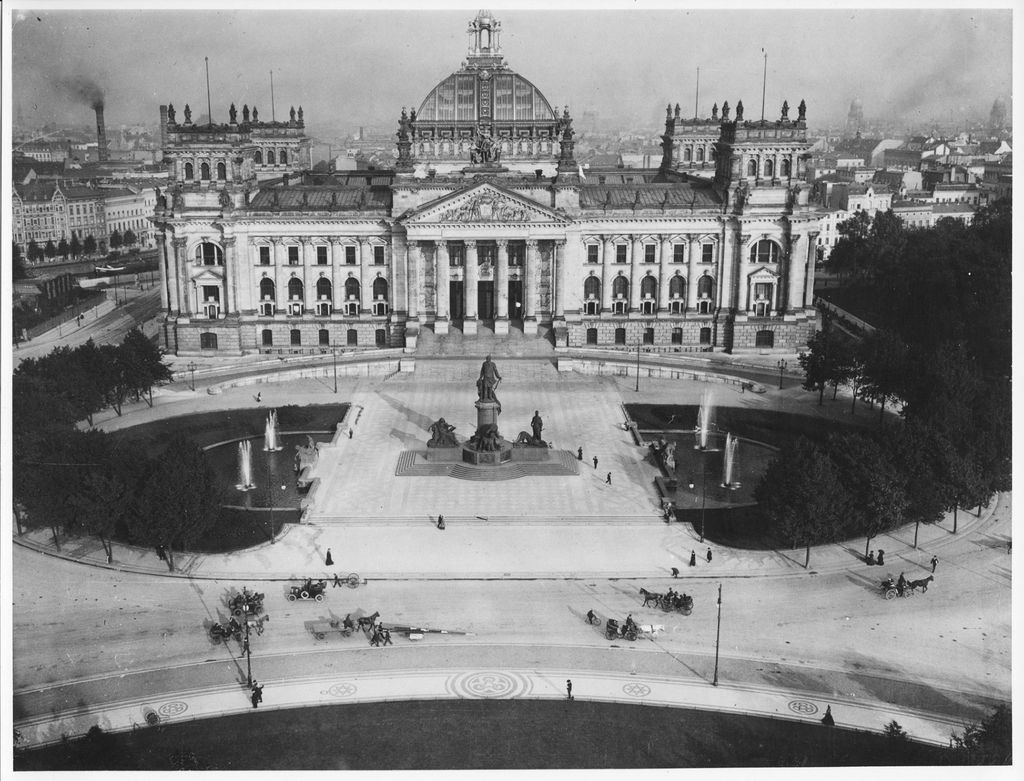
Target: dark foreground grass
x=473 y=734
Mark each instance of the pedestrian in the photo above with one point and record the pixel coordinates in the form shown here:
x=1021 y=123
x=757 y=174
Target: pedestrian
x=693 y=559
x=328 y=560
x=259 y=397
x=591 y=618
x=161 y=553
x=608 y=480
x=440 y=522
x=595 y=462
x=337 y=581
x=675 y=572
x=709 y=555
x=579 y=454
x=568 y=688
x=881 y=557
x=350 y=433
x=387 y=637
x=375 y=638
x=827 y=719
x=935 y=562
x=871 y=558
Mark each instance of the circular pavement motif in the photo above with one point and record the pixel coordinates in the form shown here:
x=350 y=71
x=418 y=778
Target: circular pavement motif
x=637 y=689
x=488 y=685
x=803 y=707
x=341 y=690
x=175 y=708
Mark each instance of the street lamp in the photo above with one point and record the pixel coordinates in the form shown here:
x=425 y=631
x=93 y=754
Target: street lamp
x=637 y=365
x=192 y=368
x=703 y=499
x=782 y=367
x=334 y=358
x=718 y=634
x=246 y=648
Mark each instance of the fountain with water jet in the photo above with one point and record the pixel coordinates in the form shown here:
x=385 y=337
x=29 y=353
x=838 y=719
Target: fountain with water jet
x=728 y=460
x=245 y=481
x=271 y=441
x=704 y=422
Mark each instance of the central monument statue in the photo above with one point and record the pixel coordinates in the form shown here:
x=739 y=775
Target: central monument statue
x=487 y=384
x=486 y=446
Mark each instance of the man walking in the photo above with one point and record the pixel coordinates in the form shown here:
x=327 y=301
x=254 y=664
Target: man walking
x=709 y=555
x=579 y=454
x=257 y=694
x=440 y=522
x=935 y=561
x=337 y=581
x=568 y=688
x=387 y=636
x=608 y=480
x=595 y=462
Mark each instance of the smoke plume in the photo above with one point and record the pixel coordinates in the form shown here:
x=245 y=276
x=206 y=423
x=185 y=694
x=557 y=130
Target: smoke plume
x=82 y=88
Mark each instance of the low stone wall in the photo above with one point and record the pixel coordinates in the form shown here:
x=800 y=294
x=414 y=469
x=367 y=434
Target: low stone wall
x=624 y=367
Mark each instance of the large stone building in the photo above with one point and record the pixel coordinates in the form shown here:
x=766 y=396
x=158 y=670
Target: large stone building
x=488 y=223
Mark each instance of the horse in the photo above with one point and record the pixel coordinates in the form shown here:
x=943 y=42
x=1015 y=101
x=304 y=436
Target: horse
x=921 y=584
x=650 y=596
x=367 y=622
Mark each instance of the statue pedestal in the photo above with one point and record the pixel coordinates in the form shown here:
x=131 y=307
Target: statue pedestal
x=487 y=415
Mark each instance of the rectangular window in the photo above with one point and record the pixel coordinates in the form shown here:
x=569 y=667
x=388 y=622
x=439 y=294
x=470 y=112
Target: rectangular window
x=350 y=255
x=762 y=290
x=593 y=253
x=264 y=256
x=649 y=253
x=677 y=253
x=620 y=253
x=515 y=255
x=293 y=256
x=456 y=255
x=378 y=256
x=707 y=253
x=321 y=256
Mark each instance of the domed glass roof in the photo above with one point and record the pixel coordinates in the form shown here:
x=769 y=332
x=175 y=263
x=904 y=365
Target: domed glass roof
x=474 y=95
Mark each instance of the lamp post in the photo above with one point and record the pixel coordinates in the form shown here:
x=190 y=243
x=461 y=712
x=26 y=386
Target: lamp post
x=637 y=365
x=192 y=368
x=703 y=499
x=334 y=359
x=245 y=644
x=782 y=367
x=718 y=634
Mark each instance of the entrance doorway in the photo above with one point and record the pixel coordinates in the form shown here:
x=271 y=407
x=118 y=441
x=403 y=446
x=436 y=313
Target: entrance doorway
x=515 y=299
x=485 y=300
x=456 y=303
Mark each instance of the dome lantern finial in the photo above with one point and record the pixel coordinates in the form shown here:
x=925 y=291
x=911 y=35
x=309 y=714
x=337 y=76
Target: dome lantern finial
x=484 y=35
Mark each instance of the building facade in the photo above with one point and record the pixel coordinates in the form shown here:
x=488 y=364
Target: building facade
x=472 y=236
x=51 y=211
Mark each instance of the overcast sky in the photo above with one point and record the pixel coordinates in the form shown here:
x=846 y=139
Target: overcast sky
x=358 y=67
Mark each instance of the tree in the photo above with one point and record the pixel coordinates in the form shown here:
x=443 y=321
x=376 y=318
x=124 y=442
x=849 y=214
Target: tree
x=987 y=743
x=89 y=245
x=17 y=262
x=34 y=252
x=129 y=238
x=144 y=364
x=63 y=249
x=801 y=495
x=50 y=250
x=915 y=448
x=883 y=356
x=76 y=248
x=115 y=239
x=825 y=361
x=849 y=253
x=179 y=501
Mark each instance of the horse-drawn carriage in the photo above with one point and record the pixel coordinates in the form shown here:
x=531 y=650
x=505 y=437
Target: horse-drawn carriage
x=246 y=602
x=670 y=602
x=343 y=627
x=904 y=588
x=311 y=589
x=219 y=631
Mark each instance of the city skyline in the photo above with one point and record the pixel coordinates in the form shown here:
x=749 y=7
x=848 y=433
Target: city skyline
x=953 y=63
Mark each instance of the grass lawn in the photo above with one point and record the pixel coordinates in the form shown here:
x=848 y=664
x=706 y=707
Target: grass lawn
x=472 y=734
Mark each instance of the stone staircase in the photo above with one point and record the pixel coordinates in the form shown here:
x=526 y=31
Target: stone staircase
x=516 y=371
x=456 y=345
x=412 y=463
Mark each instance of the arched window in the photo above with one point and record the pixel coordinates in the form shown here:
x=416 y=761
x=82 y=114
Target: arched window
x=764 y=251
x=785 y=168
x=352 y=337
x=268 y=338
x=620 y=336
x=189 y=171
x=266 y=289
x=351 y=289
x=294 y=289
x=676 y=287
x=284 y=157
x=208 y=341
x=258 y=158
x=764 y=339
x=648 y=287
x=699 y=154
x=592 y=288
x=752 y=168
x=591 y=336
x=270 y=157
x=295 y=337
x=712 y=155
x=687 y=154
x=324 y=337
x=222 y=171
x=380 y=289
x=705 y=287
x=769 y=168
x=620 y=287
x=204 y=171
x=323 y=289
x=209 y=254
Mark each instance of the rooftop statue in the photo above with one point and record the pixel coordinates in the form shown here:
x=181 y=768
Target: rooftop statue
x=170 y=112
x=245 y=113
x=188 y=113
x=233 y=114
x=255 y=114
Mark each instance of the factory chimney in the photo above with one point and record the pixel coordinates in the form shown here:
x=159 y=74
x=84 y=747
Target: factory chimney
x=101 y=133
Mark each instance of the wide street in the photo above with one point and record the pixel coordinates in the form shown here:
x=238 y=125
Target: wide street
x=103 y=642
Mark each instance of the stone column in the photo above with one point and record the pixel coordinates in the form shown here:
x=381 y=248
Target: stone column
x=443 y=273
x=694 y=272
x=607 y=273
x=230 y=274
x=165 y=271
x=811 y=258
x=336 y=277
x=560 y=280
x=532 y=291
x=501 y=289
x=663 y=261
x=636 y=254
x=412 y=285
x=794 y=281
x=181 y=276
x=365 y=277
x=472 y=278
x=308 y=276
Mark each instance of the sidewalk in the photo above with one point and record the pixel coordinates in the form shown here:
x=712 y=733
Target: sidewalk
x=399 y=685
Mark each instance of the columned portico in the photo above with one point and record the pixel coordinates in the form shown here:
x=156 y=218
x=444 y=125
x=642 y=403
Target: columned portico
x=443 y=276
x=469 y=322
x=501 y=289
x=532 y=287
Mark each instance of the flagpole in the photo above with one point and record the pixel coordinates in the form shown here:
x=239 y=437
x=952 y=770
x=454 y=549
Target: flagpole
x=696 y=99
x=209 y=106
x=272 y=117
x=764 y=82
